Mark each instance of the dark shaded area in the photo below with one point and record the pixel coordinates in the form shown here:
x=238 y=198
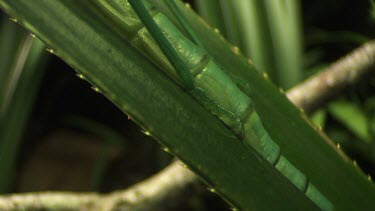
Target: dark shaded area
x=336 y=26
x=64 y=95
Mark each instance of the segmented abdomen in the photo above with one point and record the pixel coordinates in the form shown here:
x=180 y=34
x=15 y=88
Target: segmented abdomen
x=217 y=85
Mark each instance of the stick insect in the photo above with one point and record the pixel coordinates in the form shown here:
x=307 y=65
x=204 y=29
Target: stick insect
x=189 y=64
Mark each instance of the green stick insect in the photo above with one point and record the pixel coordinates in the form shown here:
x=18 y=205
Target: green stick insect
x=189 y=64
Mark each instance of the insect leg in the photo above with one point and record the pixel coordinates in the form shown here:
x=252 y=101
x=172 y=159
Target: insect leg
x=164 y=44
x=181 y=68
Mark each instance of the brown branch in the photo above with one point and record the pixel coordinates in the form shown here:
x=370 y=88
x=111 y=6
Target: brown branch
x=52 y=201
x=167 y=188
x=169 y=185
x=329 y=83
x=164 y=190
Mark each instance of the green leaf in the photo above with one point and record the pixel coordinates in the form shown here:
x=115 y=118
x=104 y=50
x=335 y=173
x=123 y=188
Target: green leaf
x=319 y=118
x=83 y=37
x=284 y=20
x=256 y=39
x=352 y=117
x=211 y=11
x=22 y=62
x=372 y=10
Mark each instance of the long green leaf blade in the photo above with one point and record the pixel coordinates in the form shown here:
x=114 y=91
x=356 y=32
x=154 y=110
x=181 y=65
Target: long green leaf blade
x=80 y=35
x=256 y=39
x=210 y=10
x=285 y=31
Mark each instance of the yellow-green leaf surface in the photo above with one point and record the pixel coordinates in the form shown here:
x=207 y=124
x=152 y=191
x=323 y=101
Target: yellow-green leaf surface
x=325 y=166
x=76 y=31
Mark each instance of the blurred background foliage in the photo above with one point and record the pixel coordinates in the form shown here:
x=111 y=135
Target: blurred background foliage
x=293 y=41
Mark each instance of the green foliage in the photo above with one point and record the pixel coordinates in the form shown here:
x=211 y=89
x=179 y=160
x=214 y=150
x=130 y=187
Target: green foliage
x=98 y=46
x=319 y=118
x=22 y=62
x=268 y=32
x=236 y=109
x=102 y=56
x=352 y=117
x=372 y=9
x=291 y=140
